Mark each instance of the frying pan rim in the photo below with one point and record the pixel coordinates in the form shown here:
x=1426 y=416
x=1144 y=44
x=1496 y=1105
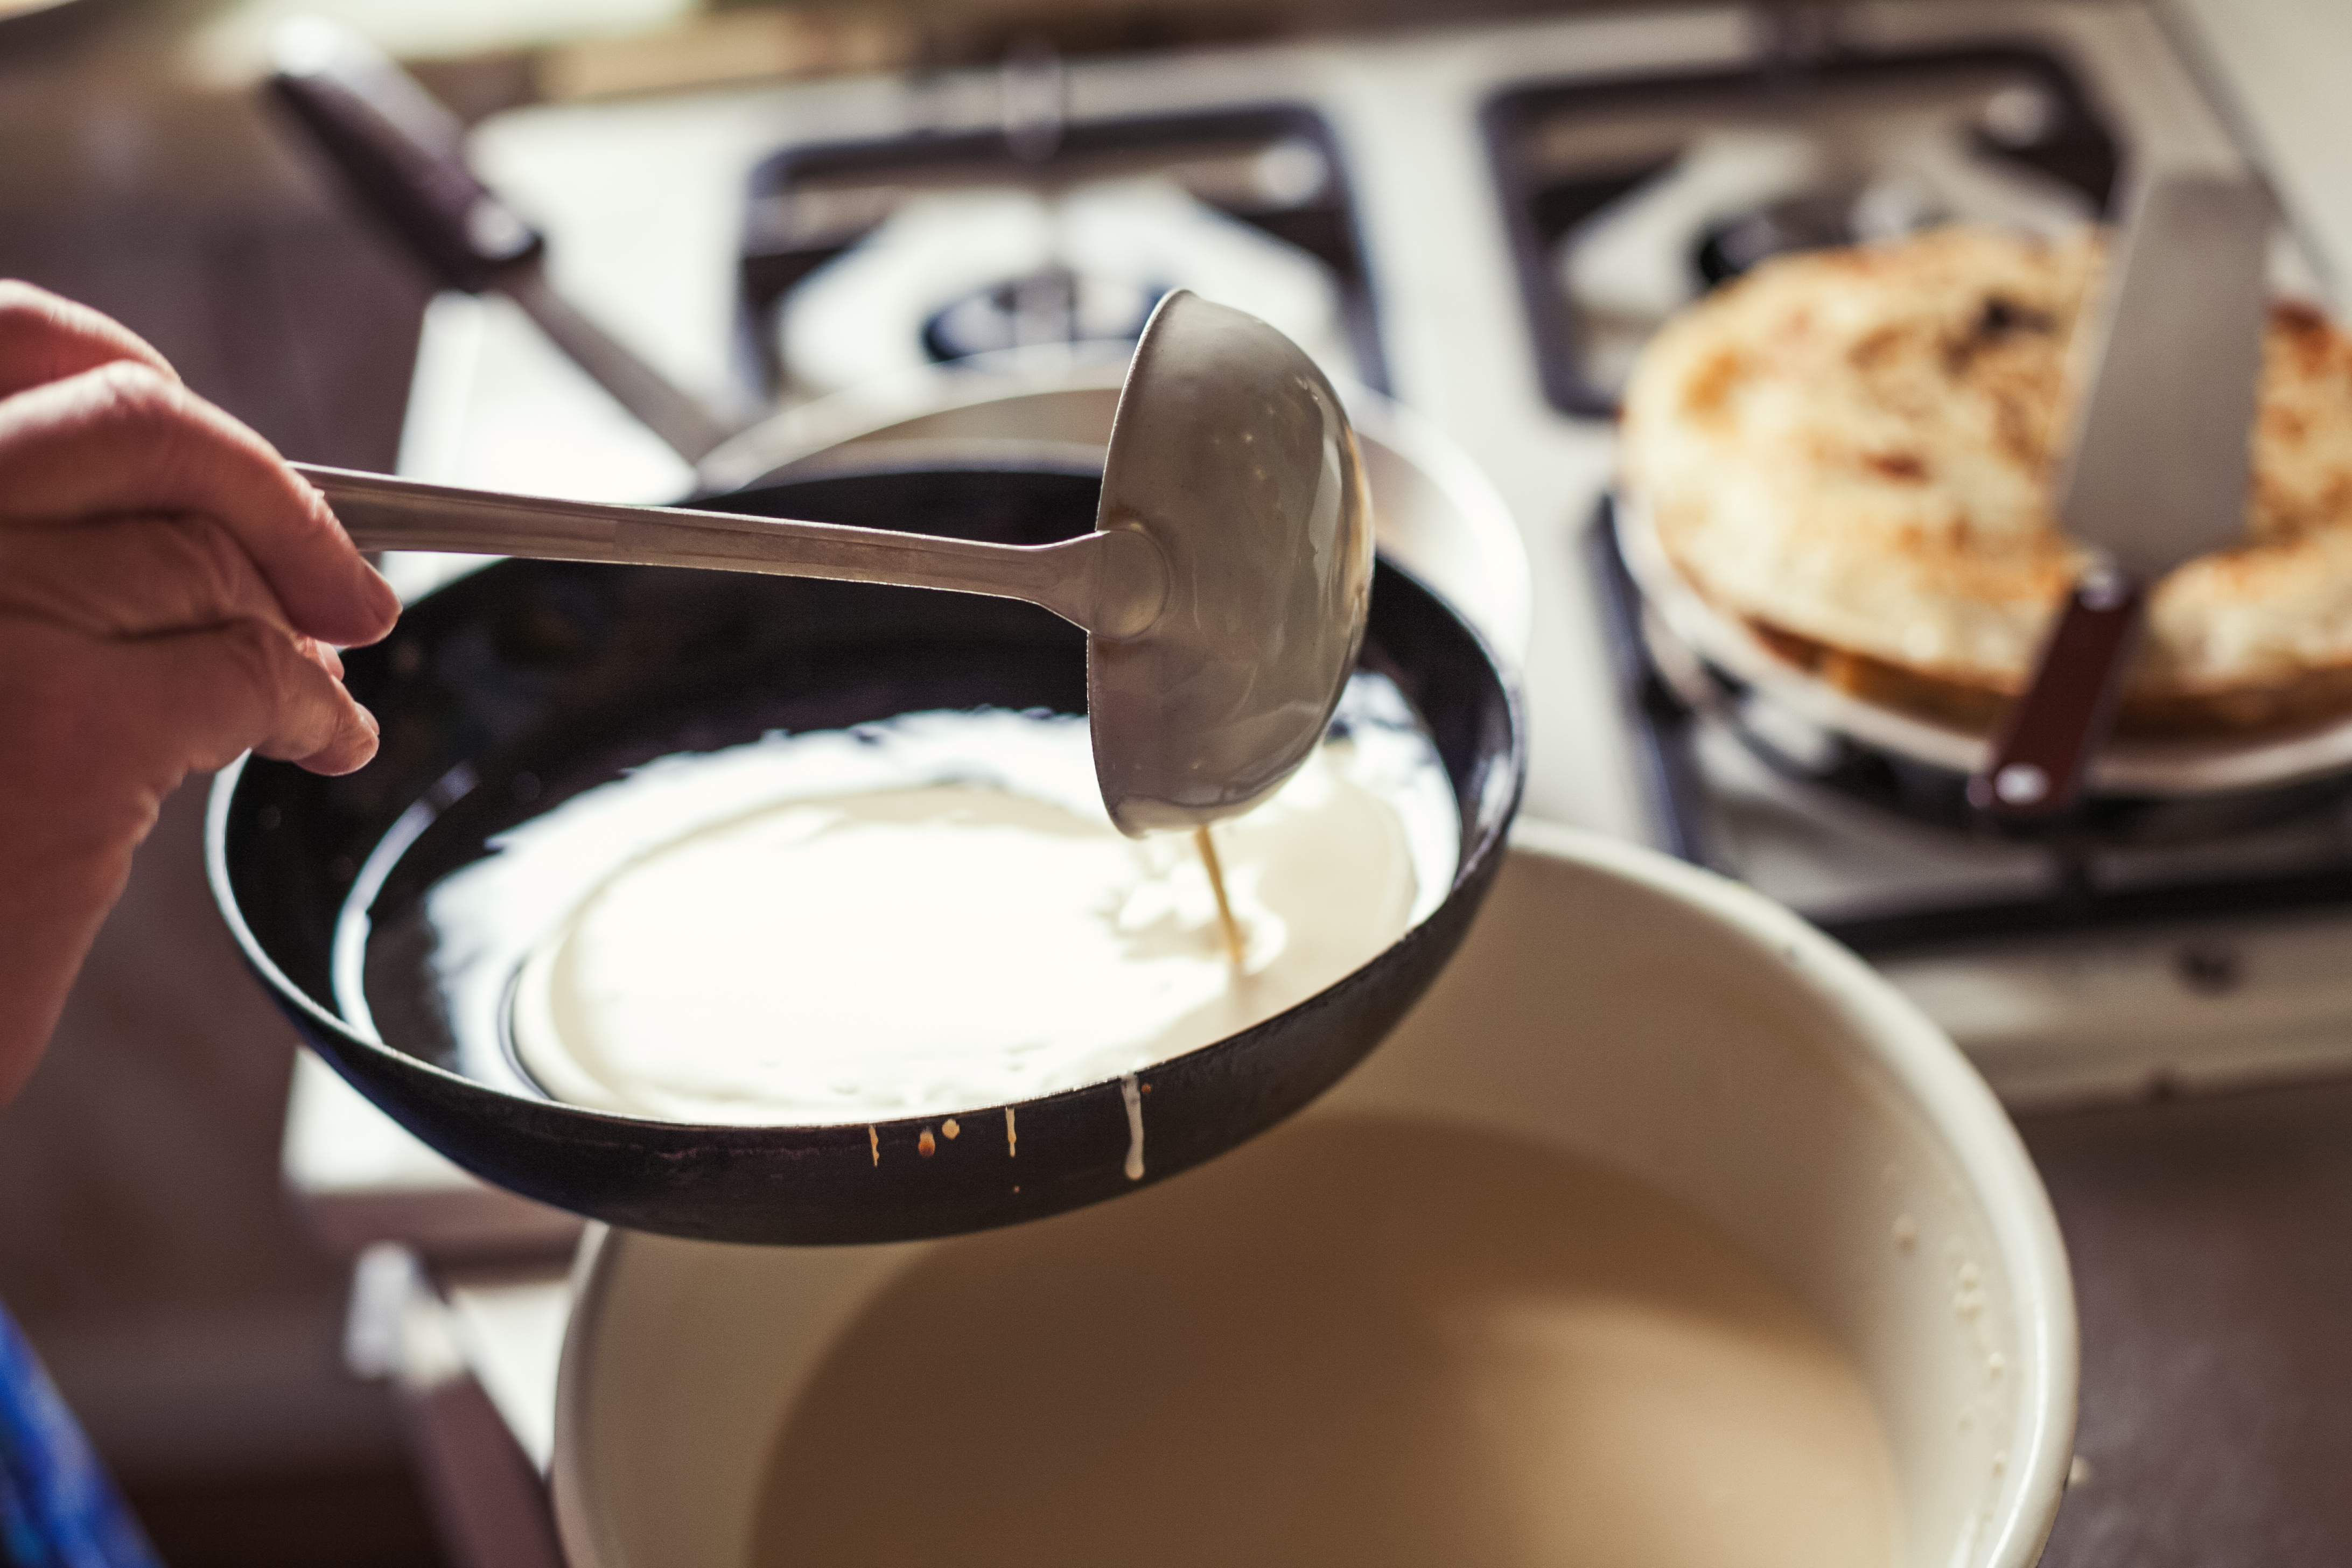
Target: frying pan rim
x=1484 y=842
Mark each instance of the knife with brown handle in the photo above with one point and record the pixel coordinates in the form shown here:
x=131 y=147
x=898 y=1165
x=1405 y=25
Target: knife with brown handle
x=403 y=155
x=2156 y=473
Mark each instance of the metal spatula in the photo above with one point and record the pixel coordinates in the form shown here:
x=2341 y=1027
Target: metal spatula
x=2158 y=470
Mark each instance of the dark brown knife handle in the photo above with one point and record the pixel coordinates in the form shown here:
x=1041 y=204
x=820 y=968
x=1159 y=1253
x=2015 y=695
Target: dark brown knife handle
x=2048 y=737
x=403 y=154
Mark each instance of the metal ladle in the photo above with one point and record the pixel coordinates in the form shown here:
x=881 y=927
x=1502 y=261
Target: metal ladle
x=1223 y=591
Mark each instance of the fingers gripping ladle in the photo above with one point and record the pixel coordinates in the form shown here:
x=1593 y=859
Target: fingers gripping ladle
x=1223 y=591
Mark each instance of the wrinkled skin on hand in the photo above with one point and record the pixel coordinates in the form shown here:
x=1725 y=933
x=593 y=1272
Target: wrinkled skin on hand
x=170 y=595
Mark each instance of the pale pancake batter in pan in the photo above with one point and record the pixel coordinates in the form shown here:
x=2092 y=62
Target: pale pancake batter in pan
x=924 y=916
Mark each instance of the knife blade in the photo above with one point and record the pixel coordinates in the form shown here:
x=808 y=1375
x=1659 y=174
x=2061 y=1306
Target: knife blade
x=2157 y=471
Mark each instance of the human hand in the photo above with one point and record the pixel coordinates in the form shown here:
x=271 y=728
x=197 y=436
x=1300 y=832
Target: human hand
x=170 y=594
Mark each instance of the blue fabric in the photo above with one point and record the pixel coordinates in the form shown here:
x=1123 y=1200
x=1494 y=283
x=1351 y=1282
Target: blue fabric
x=57 y=1509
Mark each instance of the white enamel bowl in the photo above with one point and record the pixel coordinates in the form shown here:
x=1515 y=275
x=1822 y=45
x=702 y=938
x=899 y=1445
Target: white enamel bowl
x=1653 y=1017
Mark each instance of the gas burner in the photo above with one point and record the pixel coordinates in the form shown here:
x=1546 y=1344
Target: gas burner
x=1814 y=220
x=953 y=273
x=862 y=260
x=1628 y=199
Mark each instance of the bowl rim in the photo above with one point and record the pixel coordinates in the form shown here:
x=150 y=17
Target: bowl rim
x=718 y=1180
x=854 y=423
x=1484 y=840
x=1948 y=1093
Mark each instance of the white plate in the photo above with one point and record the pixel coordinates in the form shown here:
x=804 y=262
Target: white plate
x=2155 y=769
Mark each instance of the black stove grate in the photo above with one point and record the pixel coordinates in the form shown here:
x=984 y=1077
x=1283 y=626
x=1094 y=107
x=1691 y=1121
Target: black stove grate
x=1627 y=132
x=809 y=204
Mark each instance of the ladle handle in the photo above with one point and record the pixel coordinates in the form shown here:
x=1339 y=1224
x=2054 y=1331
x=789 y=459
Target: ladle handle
x=1113 y=584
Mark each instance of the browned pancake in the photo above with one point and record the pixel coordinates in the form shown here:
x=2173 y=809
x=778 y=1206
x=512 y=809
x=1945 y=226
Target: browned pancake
x=1852 y=451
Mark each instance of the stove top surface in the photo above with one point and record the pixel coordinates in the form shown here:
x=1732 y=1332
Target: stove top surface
x=1485 y=219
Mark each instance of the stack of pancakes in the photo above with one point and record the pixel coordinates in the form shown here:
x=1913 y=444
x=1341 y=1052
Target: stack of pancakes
x=1853 y=452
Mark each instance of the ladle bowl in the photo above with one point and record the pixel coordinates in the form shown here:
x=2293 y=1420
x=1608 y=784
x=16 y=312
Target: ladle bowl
x=508 y=691
x=1222 y=588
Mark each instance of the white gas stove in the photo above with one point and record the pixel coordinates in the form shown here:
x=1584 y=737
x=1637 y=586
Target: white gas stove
x=1515 y=204
x=1482 y=220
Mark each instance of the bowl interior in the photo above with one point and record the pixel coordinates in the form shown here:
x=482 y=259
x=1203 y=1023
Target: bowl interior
x=1657 y=1020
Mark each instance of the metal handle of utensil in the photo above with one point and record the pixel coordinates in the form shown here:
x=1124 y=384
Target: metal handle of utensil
x=2045 y=743
x=403 y=154
x=1113 y=582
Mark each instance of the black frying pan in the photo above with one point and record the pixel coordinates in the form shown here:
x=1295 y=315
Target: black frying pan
x=508 y=691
